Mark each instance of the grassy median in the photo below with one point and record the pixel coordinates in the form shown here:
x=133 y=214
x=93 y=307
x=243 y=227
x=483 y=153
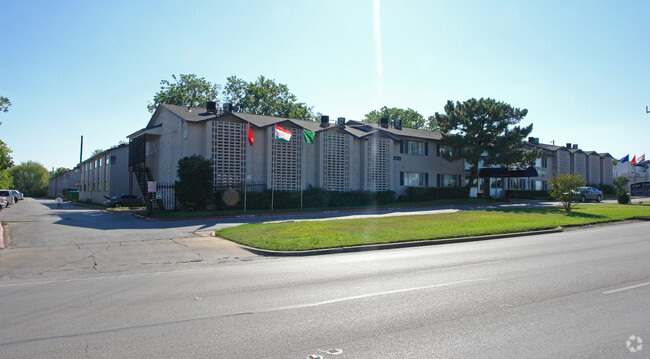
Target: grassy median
x=296 y=236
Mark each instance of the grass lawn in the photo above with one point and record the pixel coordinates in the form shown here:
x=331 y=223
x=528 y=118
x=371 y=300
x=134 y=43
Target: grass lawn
x=296 y=236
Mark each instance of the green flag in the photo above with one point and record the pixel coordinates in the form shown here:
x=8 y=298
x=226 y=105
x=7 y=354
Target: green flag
x=307 y=136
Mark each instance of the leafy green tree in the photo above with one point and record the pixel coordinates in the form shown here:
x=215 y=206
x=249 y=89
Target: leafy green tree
x=4 y=104
x=266 y=97
x=484 y=130
x=563 y=188
x=432 y=124
x=410 y=118
x=31 y=178
x=185 y=90
x=6 y=180
x=96 y=152
x=194 y=186
x=5 y=158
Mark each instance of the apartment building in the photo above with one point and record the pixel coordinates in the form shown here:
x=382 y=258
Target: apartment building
x=105 y=174
x=344 y=156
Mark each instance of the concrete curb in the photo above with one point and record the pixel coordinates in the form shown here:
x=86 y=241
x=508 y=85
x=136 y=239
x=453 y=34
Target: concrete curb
x=373 y=247
x=2 y=241
x=369 y=210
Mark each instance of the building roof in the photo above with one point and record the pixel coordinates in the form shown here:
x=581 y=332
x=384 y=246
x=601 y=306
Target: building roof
x=547 y=147
x=358 y=129
x=403 y=132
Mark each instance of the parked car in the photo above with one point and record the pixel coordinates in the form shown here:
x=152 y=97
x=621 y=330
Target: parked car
x=124 y=200
x=6 y=194
x=17 y=195
x=588 y=194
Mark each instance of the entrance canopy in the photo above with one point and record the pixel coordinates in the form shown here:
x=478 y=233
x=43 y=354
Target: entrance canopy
x=507 y=172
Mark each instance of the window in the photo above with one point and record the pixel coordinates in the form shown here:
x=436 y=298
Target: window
x=414 y=148
x=545 y=162
x=448 y=180
x=414 y=179
x=444 y=148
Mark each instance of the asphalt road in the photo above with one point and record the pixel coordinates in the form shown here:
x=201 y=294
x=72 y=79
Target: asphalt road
x=578 y=294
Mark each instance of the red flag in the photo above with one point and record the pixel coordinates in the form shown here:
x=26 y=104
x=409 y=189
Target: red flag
x=633 y=162
x=251 y=139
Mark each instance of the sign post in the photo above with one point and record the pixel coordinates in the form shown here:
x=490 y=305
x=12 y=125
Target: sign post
x=151 y=193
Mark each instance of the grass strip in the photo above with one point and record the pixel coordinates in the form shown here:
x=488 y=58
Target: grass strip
x=306 y=235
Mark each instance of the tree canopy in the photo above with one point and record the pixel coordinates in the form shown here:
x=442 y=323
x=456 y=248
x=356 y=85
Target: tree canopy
x=4 y=104
x=5 y=158
x=189 y=90
x=410 y=118
x=31 y=178
x=563 y=188
x=484 y=131
x=266 y=97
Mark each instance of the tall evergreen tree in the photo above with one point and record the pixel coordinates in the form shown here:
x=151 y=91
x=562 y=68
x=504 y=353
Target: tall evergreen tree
x=484 y=130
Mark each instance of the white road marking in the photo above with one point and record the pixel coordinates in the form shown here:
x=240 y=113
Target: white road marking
x=626 y=288
x=369 y=295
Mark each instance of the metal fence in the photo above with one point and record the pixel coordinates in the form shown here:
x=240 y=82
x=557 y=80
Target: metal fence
x=250 y=187
x=166 y=193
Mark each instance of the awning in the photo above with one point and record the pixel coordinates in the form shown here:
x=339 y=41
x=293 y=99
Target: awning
x=507 y=172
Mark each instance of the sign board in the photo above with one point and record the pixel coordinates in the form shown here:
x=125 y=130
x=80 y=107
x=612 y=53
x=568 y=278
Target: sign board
x=151 y=186
x=640 y=189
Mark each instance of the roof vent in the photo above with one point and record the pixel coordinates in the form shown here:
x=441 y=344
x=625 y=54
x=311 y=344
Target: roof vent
x=533 y=140
x=341 y=122
x=211 y=106
x=324 y=121
x=575 y=146
x=384 y=122
x=227 y=107
x=398 y=124
x=568 y=146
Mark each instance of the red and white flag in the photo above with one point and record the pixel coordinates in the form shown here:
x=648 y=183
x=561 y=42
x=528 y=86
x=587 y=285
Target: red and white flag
x=281 y=134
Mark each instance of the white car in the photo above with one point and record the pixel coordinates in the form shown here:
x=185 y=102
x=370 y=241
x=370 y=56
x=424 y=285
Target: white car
x=6 y=194
x=17 y=195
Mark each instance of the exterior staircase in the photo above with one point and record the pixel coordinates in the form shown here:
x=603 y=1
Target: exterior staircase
x=143 y=175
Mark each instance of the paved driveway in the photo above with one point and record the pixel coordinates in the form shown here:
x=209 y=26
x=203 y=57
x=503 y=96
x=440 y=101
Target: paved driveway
x=44 y=241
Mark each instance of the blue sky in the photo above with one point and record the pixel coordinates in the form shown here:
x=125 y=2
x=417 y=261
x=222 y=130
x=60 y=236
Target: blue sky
x=73 y=68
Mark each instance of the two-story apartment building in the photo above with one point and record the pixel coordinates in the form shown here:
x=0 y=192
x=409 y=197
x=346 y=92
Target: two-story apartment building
x=105 y=174
x=345 y=156
x=595 y=168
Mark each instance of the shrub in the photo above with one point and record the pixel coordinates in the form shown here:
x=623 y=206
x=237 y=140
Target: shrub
x=423 y=194
x=563 y=187
x=623 y=197
x=194 y=186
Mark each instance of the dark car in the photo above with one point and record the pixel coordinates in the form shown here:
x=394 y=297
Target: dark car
x=588 y=194
x=124 y=200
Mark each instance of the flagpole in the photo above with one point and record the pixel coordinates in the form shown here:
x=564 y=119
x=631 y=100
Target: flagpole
x=272 y=175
